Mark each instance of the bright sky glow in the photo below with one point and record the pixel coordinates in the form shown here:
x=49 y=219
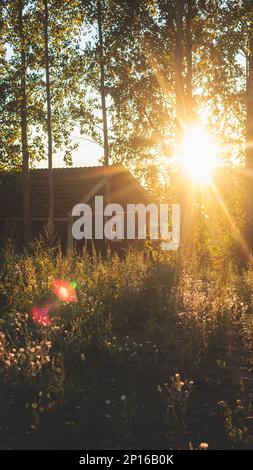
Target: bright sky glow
x=199 y=154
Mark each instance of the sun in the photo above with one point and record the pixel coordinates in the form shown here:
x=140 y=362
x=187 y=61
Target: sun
x=199 y=154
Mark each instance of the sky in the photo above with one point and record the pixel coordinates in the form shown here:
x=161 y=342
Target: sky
x=87 y=154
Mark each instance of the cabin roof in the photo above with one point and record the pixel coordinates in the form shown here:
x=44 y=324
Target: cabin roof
x=71 y=185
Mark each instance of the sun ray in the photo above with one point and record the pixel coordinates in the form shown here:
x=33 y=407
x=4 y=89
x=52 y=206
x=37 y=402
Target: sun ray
x=232 y=223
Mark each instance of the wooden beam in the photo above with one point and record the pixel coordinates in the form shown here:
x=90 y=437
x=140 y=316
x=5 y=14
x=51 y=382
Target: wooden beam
x=92 y=192
x=70 y=241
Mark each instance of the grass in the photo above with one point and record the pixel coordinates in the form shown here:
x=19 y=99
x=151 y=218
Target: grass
x=155 y=353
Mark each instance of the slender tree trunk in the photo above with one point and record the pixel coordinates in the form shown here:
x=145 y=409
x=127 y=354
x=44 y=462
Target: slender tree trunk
x=102 y=84
x=249 y=140
x=49 y=129
x=24 y=132
x=179 y=83
x=188 y=53
x=181 y=121
x=103 y=104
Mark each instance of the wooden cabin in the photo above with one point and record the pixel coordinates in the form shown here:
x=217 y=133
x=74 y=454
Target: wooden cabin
x=71 y=186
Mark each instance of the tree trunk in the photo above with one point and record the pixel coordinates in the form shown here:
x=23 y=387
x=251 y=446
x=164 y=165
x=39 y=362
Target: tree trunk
x=49 y=130
x=249 y=140
x=185 y=187
x=188 y=53
x=24 y=129
x=102 y=84
x=179 y=83
x=180 y=102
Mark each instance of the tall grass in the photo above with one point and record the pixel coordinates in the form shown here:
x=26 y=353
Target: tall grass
x=151 y=350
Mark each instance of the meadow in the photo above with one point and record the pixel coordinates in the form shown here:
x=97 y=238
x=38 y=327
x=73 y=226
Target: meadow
x=154 y=353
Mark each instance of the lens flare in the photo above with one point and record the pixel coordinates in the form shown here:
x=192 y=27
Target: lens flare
x=40 y=315
x=64 y=290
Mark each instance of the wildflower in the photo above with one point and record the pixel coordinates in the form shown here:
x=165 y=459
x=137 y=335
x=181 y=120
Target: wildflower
x=203 y=446
x=239 y=404
x=107 y=402
x=123 y=397
x=222 y=404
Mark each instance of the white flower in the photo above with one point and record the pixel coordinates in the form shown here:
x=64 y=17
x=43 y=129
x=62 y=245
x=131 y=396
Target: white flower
x=123 y=397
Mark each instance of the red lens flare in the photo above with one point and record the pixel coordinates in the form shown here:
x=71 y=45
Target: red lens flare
x=40 y=315
x=64 y=290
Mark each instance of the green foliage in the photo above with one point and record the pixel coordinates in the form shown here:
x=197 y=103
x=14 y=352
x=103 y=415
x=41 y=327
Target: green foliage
x=139 y=55
x=70 y=103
